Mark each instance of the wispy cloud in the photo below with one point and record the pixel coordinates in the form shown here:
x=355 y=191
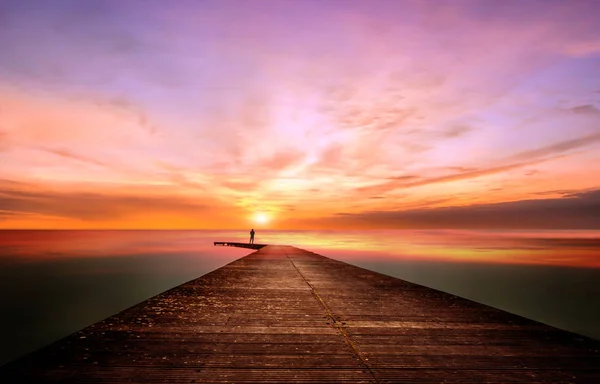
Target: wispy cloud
x=587 y=109
x=577 y=211
x=109 y=208
x=403 y=183
x=73 y=156
x=557 y=148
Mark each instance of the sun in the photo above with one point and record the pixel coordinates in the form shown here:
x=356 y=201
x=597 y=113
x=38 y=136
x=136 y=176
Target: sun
x=261 y=218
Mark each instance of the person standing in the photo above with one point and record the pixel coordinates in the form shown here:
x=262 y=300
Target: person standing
x=252 y=236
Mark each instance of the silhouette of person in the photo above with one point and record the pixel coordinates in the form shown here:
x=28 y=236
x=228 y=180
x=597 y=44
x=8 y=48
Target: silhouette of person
x=252 y=236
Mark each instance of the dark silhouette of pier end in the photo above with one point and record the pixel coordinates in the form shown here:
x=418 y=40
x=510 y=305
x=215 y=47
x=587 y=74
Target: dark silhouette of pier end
x=240 y=245
x=283 y=314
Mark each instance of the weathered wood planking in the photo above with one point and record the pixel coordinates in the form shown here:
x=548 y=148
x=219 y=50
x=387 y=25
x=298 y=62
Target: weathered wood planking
x=282 y=314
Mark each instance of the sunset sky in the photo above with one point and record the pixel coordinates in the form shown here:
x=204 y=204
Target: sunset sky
x=297 y=114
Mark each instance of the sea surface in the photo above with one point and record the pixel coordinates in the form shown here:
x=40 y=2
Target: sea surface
x=53 y=283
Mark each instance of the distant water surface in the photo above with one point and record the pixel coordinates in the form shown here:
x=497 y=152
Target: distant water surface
x=53 y=283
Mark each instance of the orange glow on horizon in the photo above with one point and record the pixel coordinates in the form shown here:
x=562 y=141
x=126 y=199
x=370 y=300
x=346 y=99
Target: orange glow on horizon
x=552 y=248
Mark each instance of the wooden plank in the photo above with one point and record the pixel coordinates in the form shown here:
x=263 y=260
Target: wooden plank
x=283 y=314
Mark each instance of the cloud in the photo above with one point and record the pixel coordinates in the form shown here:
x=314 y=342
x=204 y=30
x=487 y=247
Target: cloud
x=64 y=153
x=564 y=243
x=33 y=119
x=587 y=109
x=4 y=141
x=93 y=206
x=563 y=192
x=12 y=213
x=574 y=211
x=462 y=169
x=280 y=160
x=403 y=183
x=126 y=109
x=457 y=131
x=557 y=148
x=526 y=158
x=404 y=177
x=239 y=186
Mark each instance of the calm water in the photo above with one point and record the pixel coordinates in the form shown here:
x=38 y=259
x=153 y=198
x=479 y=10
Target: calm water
x=53 y=283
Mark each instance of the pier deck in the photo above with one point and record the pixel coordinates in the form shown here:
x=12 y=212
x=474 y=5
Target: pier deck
x=282 y=314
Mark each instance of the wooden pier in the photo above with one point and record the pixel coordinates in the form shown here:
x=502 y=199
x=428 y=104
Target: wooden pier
x=285 y=315
x=239 y=245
